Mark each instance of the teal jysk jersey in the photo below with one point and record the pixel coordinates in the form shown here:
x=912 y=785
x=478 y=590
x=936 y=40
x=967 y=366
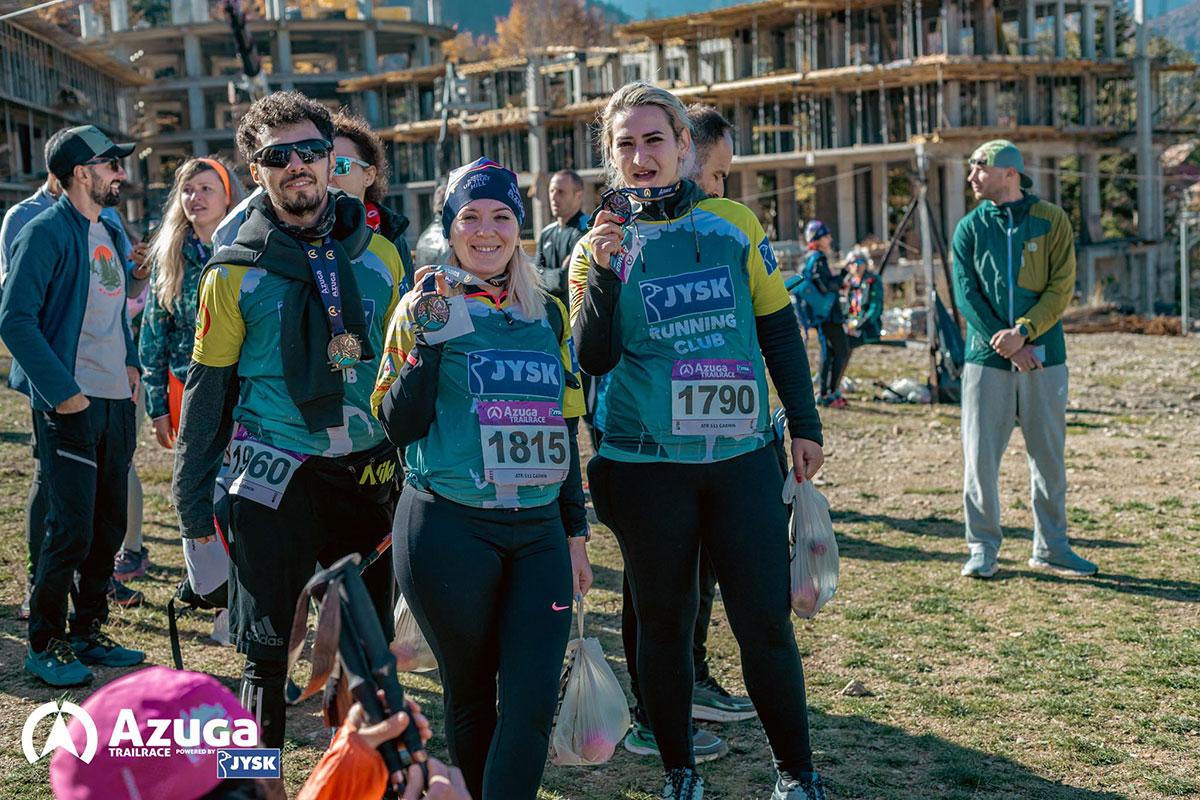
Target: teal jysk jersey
x=691 y=385
x=239 y=322
x=499 y=435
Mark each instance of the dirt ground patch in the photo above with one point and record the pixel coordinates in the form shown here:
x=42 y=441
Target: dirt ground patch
x=1028 y=686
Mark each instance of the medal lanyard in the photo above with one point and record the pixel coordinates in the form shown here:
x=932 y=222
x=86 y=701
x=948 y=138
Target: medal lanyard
x=323 y=263
x=651 y=194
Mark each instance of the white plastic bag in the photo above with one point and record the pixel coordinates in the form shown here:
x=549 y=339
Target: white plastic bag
x=414 y=653
x=593 y=715
x=814 y=560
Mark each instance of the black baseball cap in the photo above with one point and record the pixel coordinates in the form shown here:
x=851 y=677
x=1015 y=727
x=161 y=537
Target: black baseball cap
x=69 y=148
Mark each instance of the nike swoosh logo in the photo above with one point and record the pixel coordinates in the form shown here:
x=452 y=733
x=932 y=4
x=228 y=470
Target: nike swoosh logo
x=557 y=607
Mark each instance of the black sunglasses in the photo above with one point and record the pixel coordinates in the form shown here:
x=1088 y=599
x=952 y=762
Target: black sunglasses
x=278 y=155
x=113 y=163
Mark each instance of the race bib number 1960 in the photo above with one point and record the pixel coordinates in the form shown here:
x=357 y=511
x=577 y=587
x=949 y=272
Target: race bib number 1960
x=524 y=443
x=713 y=397
x=259 y=471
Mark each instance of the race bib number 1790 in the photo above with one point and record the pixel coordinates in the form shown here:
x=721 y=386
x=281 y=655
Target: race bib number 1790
x=713 y=397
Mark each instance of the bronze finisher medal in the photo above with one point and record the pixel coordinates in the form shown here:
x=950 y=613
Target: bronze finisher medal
x=431 y=312
x=344 y=351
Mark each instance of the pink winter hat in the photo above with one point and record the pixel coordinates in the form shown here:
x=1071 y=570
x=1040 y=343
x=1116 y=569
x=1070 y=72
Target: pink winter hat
x=151 y=693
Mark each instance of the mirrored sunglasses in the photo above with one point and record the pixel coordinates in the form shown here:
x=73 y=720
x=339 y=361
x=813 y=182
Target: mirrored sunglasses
x=343 y=164
x=278 y=155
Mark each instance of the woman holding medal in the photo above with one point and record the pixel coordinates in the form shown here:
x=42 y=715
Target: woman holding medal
x=681 y=304
x=478 y=383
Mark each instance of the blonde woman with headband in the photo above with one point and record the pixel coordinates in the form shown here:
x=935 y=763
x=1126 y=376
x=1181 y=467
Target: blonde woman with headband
x=479 y=385
x=205 y=189
x=677 y=297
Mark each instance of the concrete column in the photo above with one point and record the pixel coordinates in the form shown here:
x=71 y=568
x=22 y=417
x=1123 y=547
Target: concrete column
x=119 y=15
x=988 y=97
x=798 y=43
x=539 y=158
x=199 y=147
x=837 y=41
x=693 y=62
x=199 y=11
x=1087 y=99
x=579 y=79
x=954 y=181
x=1091 y=210
x=846 y=233
x=744 y=128
x=433 y=11
x=424 y=57
x=283 y=52
x=197 y=116
x=952 y=29
x=1110 y=34
x=1145 y=123
x=370 y=55
x=1060 y=29
x=181 y=12
x=91 y=24
x=1087 y=31
x=785 y=202
x=1030 y=108
x=843 y=136
x=1028 y=27
x=655 y=62
x=952 y=103
x=583 y=150
x=879 y=207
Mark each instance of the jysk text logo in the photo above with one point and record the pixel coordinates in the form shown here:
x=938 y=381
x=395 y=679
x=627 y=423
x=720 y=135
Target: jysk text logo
x=248 y=763
x=690 y=293
x=520 y=372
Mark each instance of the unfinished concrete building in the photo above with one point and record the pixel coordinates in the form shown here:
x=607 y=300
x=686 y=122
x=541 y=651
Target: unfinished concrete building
x=50 y=81
x=832 y=102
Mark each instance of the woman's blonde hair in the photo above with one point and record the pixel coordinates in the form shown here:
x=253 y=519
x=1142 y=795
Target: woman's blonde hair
x=524 y=285
x=628 y=97
x=166 y=249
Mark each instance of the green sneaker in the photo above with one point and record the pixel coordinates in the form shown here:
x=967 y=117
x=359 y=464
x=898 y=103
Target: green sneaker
x=706 y=746
x=57 y=665
x=97 y=647
x=710 y=702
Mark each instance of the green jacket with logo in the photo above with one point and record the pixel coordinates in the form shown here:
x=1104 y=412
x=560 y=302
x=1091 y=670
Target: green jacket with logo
x=1014 y=264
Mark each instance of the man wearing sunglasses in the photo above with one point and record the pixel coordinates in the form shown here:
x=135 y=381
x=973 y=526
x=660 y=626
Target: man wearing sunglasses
x=288 y=342
x=1014 y=274
x=63 y=318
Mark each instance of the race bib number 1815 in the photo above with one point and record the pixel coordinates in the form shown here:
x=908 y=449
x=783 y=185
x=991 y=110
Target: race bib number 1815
x=524 y=443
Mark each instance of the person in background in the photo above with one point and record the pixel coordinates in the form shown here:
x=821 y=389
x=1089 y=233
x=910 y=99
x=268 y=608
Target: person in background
x=432 y=247
x=712 y=136
x=864 y=296
x=134 y=256
x=63 y=319
x=360 y=168
x=557 y=240
x=1014 y=275
x=823 y=312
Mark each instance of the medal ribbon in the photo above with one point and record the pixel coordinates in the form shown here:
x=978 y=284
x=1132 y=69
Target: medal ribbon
x=322 y=261
x=650 y=194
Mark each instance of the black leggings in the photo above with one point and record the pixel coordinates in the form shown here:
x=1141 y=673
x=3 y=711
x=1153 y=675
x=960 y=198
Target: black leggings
x=491 y=590
x=835 y=355
x=660 y=514
x=629 y=633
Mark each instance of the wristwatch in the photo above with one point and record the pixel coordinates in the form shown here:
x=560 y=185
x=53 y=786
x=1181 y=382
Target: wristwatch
x=1023 y=329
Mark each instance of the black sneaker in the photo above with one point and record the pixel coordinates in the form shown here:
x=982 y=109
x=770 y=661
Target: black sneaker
x=97 y=647
x=121 y=595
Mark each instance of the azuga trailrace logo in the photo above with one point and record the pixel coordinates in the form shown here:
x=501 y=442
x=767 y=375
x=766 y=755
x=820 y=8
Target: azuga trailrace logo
x=200 y=731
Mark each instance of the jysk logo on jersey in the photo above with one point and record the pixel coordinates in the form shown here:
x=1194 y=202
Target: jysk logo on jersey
x=520 y=372
x=690 y=293
x=248 y=763
x=768 y=255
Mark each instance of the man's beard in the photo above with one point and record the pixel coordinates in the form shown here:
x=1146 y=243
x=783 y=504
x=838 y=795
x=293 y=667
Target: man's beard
x=300 y=204
x=104 y=196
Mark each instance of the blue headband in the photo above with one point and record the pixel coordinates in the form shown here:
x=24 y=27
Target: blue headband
x=483 y=179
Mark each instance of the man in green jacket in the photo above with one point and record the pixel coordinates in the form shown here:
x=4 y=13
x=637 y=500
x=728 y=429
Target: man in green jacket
x=1014 y=274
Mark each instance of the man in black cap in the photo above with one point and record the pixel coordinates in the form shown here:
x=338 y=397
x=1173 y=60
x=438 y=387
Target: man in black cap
x=63 y=319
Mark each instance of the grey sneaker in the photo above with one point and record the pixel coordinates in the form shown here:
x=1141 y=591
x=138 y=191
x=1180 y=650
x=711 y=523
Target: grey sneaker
x=683 y=784
x=979 y=565
x=1066 y=563
x=810 y=788
x=705 y=746
x=712 y=703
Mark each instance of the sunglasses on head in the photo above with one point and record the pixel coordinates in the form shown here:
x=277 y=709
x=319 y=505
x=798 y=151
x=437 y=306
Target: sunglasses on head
x=278 y=155
x=343 y=164
x=113 y=163
x=977 y=162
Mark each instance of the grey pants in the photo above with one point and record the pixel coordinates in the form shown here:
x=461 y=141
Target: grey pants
x=993 y=400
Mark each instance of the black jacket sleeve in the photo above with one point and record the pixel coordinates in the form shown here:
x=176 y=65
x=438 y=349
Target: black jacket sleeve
x=571 y=503
x=787 y=361
x=824 y=278
x=597 y=342
x=205 y=428
x=408 y=408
